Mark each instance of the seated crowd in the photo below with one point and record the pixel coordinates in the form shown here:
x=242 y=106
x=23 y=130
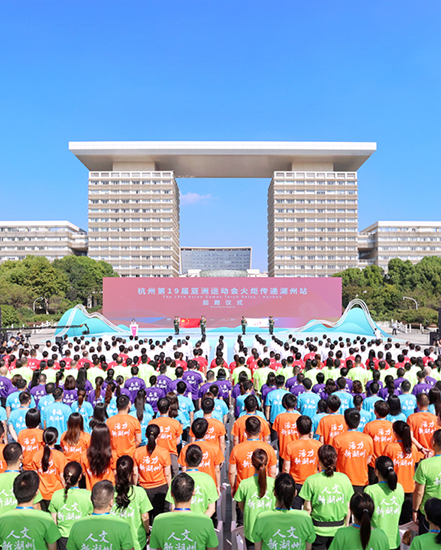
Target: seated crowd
x=119 y=444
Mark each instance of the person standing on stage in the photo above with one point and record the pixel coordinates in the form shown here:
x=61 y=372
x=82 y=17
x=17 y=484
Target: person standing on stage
x=203 y=324
x=176 y=324
x=271 y=324
x=243 y=323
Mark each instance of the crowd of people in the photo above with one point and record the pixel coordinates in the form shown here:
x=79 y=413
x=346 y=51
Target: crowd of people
x=119 y=443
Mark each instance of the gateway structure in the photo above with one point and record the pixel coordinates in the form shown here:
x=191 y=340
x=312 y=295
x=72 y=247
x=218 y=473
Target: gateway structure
x=312 y=200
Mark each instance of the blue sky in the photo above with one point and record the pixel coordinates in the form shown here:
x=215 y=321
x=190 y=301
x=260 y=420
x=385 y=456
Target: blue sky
x=220 y=70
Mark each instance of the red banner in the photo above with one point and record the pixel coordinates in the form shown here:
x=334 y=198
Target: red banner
x=189 y=323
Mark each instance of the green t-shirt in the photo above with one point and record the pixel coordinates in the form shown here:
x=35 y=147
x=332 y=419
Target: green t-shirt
x=287 y=529
x=205 y=492
x=425 y=542
x=348 y=538
x=329 y=497
x=139 y=504
x=429 y=474
x=238 y=370
x=359 y=373
x=8 y=501
x=260 y=376
x=387 y=510
x=101 y=532
x=77 y=505
x=183 y=531
x=248 y=492
x=27 y=529
x=145 y=372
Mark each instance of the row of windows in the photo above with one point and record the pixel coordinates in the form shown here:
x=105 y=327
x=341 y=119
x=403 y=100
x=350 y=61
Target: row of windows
x=129 y=220
x=409 y=248
x=130 y=191
x=315 y=220
x=128 y=210
x=347 y=248
x=126 y=239
x=316 y=210
x=317 y=229
x=410 y=239
x=312 y=267
x=130 y=182
x=411 y=229
x=126 y=229
x=127 y=201
x=314 y=182
x=130 y=248
x=313 y=192
x=316 y=201
x=315 y=238
x=65 y=248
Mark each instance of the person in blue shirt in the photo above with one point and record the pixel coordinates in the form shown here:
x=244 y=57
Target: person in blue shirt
x=365 y=416
x=395 y=409
x=17 y=418
x=57 y=414
x=307 y=401
x=322 y=410
x=408 y=401
x=369 y=402
x=347 y=401
x=186 y=406
x=143 y=412
x=13 y=401
x=134 y=384
x=274 y=405
x=219 y=404
x=251 y=407
x=83 y=407
x=46 y=399
x=248 y=389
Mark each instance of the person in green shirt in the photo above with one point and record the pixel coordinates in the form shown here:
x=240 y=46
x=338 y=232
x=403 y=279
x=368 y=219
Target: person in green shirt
x=203 y=324
x=205 y=494
x=388 y=497
x=255 y=494
x=183 y=529
x=26 y=527
x=239 y=369
x=427 y=483
x=70 y=504
x=360 y=534
x=283 y=527
x=101 y=531
x=432 y=539
x=327 y=496
x=176 y=324
x=243 y=323
x=271 y=324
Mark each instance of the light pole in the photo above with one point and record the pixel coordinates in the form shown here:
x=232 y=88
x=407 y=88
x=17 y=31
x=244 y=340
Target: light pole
x=36 y=300
x=413 y=299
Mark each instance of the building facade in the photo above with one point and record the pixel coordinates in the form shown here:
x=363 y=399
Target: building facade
x=213 y=258
x=53 y=239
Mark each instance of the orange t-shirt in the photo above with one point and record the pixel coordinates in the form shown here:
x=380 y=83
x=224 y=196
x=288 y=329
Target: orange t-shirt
x=404 y=463
x=423 y=424
x=151 y=468
x=31 y=441
x=381 y=433
x=330 y=426
x=285 y=425
x=50 y=480
x=123 y=430
x=239 y=427
x=241 y=457
x=211 y=457
x=74 y=452
x=353 y=449
x=170 y=430
x=303 y=457
x=3 y=464
x=214 y=432
x=92 y=479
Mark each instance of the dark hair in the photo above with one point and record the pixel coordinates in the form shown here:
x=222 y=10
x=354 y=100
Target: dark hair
x=152 y=433
x=75 y=425
x=328 y=457
x=304 y=425
x=200 y=427
x=363 y=507
x=333 y=402
x=394 y=405
x=253 y=425
x=352 y=418
x=99 y=415
x=163 y=405
x=182 y=487
x=99 y=453
x=72 y=473
x=140 y=404
x=289 y=401
x=259 y=460
x=381 y=408
x=123 y=481
x=12 y=452
x=193 y=456
x=402 y=429
x=386 y=468
x=50 y=436
x=251 y=403
x=432 y=509
x=122 y=402
x=33 y=418
x=25 y=486
x=102 y=494
x=285 y=490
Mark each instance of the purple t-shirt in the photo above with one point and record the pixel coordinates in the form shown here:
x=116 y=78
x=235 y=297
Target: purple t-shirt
x=236 y=391
x=348 y=384
x=297 y=390
x=224 y=388
x=133 y=385
x=380 y=383
x=5 y=386
x=174 y=384
x=318 y=388
x=363 y=395
x=291 y=383
x=92 y=397
x=153 y=395
x=194 y=379
x=38 y=392
x=265 y=390
x=398 y=381
x=204 y=388
x=163 y=382
x=384 y=393
x=421 y=388
x=430 y=380
x=69 y=396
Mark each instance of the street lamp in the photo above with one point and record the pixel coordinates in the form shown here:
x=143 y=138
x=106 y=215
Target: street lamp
x=36 y=300
x=413 y=299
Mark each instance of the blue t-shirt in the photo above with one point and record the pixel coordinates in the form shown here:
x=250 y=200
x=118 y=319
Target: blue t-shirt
x=347 y=401
x=86 y=412
x=365 y=417
x=215 y=414
x=3 y=417
x=18 y=419
x=56 y=416
x=186 y=406
x=240 y=402
x=408 y=403
x=13 y=401
x=315 y=422
x=369 y=403
x=257 y=413
x=44 y=402
x=307 y=403
x=144 y=422
x=274 y=400
x=400 y=416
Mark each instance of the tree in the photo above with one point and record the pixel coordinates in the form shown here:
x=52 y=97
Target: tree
x=9 y=316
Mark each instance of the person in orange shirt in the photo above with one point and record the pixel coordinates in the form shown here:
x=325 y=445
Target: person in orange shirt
x=212 y=457
x=422 y=425
x=238 y=430
x=125 y=430
x=405 y=457
x=285 y=425
x=152 y=471
x=49 y=465
x=381 y=433
x=354 y=451
x=332 y=424
x=75 y=440
x=216 y=430
x=99 y=461
x=241 y=466
x=301 y=458
x=170 y=433
x=31 y=438
x=3 y=464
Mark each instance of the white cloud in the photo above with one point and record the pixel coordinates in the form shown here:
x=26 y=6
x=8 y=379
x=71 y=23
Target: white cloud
x=194 y=198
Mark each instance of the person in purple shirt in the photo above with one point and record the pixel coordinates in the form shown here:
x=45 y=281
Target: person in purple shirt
x=375 y=378
x=297 y=390
x=224 y=386
x=163 y=381
x=173 y=384
x=422 y=386
x=320 y=386
x=6 y=386
x=357 y=389
x=110 y=377
x=82 y=381
x=269 y=386
x=344 y=373
x=154 y=394
x=389 y=388
x=134 y=384
x=38 y=383
x=397 y=381
x=195 y=379
x=70 y=394
x=292 y=382
x=97 y=395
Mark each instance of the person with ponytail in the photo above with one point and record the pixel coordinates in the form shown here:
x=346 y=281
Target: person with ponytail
x=68 y=506
x=273 y=527
x=405 y=456
x=388 y=497
x=143 y=412
x=153 y=470
x=99 y=416
x=432 y=539
x=327 y=495
x=131 y=502
x=83 y=407
x=99 y=461
x=49 y=465
x=255 y=494
x=74 y=440
x=360 y=534
x=82 y=381
x=97 y=395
